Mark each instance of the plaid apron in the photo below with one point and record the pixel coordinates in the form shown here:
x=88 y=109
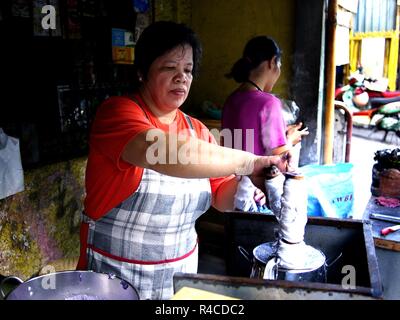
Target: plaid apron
x=150 y=235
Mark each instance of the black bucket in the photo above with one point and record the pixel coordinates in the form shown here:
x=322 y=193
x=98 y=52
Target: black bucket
x=375 y=180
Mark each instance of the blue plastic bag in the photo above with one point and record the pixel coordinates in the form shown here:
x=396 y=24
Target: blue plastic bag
x=330 y=190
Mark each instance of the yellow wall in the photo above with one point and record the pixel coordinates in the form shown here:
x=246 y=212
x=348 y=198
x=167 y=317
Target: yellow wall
x=391 y=53
x=175 y=10
x=224 y=27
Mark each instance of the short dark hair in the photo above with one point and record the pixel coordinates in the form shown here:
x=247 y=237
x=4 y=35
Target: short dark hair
x=256 y=51
x=161 y=37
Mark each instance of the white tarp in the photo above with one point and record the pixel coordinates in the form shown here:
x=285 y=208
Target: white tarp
x=11 y=173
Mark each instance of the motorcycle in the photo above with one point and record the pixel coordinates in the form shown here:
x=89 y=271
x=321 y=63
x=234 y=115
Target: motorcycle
x=367 y=98
x=390 y=120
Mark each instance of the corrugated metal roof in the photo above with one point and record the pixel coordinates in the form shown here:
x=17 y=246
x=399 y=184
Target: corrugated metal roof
x=375 y=15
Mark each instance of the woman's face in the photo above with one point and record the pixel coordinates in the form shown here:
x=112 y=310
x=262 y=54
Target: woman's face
x=169 y=78
x=277 y=67
x=274 y=72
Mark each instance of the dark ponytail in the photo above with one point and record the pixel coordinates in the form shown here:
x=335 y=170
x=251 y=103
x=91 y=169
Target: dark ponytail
x=256 y=51
x=241 y=70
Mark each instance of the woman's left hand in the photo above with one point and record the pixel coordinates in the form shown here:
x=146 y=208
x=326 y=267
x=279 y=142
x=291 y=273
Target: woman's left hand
x=294 y=134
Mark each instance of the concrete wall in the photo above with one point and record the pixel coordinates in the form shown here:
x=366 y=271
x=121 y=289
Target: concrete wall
x=41 y=224
x=308 y=73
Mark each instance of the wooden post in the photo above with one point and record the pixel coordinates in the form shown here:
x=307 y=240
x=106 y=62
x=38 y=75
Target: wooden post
x=330 y=84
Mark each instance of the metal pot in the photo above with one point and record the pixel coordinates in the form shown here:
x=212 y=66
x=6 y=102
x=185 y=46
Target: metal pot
x=264 y=252
x=71 y=285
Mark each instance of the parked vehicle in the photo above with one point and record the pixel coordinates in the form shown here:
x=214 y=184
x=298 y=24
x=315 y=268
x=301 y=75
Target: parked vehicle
x=390 y=120
x=367 y=98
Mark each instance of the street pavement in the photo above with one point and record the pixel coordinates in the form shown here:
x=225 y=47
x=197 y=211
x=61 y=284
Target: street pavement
x=378 y=136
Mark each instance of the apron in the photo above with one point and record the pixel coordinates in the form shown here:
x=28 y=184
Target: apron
x=151 y=235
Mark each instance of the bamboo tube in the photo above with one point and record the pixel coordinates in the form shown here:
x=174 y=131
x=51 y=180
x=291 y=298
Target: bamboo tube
x=330 y=84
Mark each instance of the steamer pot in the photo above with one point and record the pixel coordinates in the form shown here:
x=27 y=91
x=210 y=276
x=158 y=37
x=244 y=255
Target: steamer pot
x=264 y=252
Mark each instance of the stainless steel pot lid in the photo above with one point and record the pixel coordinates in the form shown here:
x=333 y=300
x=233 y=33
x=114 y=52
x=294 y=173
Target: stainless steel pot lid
x=265 y=251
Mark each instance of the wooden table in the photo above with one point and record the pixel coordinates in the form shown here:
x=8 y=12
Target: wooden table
x=392 y=240
x=387 y=248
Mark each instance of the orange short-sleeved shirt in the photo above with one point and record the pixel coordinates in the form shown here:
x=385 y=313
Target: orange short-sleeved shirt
x=109 y=179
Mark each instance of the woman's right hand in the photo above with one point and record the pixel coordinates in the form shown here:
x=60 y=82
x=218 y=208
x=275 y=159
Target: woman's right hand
x=281 y=161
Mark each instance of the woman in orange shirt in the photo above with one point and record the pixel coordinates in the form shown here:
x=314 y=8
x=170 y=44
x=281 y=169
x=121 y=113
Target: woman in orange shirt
x=153 y=170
